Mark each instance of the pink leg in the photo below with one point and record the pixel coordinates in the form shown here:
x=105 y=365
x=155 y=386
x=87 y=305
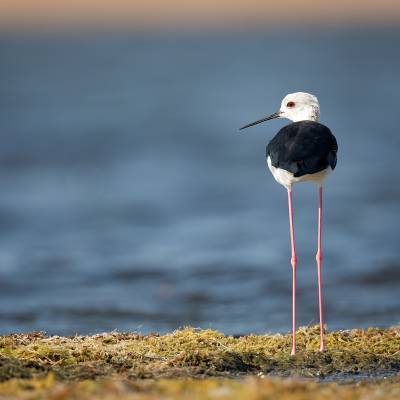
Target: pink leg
x=294 y=263
x=318 y=257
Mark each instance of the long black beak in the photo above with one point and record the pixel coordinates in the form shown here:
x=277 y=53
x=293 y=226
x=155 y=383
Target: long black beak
x=272 y=116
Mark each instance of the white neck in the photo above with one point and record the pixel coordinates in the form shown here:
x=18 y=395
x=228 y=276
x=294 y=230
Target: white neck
x=305 y=114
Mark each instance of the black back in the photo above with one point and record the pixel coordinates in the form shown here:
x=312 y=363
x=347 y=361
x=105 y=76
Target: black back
x=304 y=147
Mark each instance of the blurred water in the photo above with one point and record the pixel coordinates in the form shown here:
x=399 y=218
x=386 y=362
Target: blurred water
x=130 y=201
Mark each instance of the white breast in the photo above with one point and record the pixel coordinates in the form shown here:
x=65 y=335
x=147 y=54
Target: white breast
x=287 y=179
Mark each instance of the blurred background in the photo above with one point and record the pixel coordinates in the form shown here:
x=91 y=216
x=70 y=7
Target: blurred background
x=130 y=201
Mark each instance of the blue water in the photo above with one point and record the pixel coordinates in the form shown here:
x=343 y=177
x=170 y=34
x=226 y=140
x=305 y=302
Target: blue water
x=130 y=201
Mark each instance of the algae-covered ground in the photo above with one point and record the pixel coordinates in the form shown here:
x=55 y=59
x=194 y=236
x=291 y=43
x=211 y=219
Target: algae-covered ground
x=190 y=389
x=197 y=364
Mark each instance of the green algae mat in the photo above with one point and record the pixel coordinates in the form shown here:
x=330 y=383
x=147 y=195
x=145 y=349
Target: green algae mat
x=199 y=364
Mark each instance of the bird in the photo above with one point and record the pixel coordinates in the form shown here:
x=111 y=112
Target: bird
x=303 y=151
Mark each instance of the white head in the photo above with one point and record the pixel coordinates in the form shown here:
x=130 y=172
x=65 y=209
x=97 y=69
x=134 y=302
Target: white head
x=299 y=106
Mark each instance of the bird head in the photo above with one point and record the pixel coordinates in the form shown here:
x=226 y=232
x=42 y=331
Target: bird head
x=299 y=106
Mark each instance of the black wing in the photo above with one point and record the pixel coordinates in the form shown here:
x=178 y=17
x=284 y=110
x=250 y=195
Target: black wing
x=304 y=147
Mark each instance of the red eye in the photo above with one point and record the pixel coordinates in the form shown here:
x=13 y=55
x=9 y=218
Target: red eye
x=290 y=104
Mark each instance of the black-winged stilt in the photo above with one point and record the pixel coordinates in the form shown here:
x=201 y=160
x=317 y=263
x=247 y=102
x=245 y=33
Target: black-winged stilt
x=302 y=151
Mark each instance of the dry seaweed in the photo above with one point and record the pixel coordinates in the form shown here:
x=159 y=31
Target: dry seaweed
x=198 y=353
